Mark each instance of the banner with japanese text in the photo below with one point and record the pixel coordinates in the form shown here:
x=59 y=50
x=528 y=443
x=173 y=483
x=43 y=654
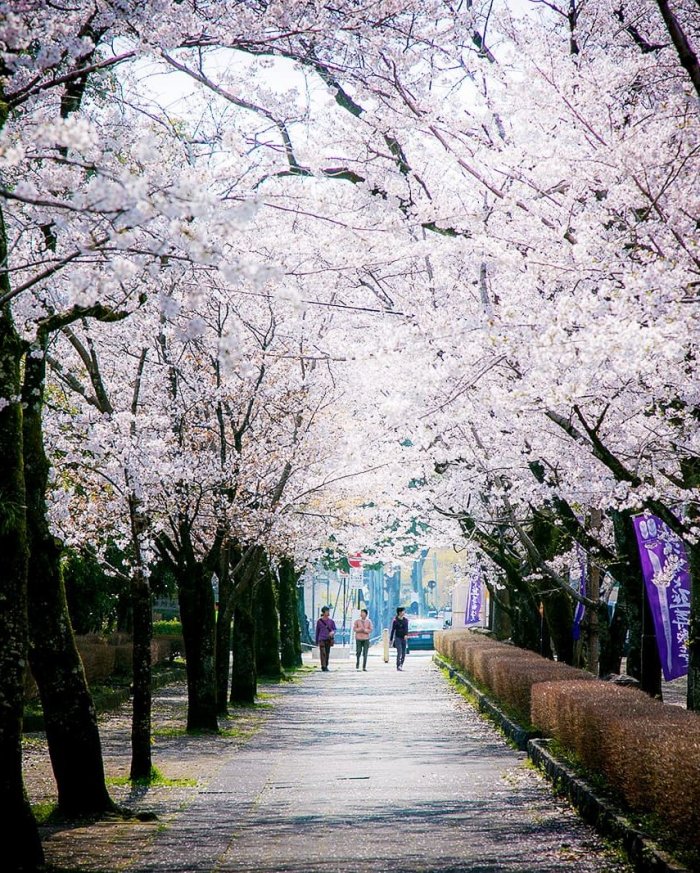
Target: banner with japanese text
x=667 y=580
x=472 y=614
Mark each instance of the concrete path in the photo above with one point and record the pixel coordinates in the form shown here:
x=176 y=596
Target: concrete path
x=378 y=771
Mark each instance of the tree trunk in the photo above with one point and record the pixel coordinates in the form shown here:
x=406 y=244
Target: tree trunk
x=197 y=614
x=612 y=639
x=501 y=623
x=267 y=629
x=593 y=615
x=244 y=679
x=288 y=614
x=558 y=617
x=19 y=836
x=290 y=630
x=69 y=714
x=691 y=479
x=297 y=618
x=525 y=616
x=141 y=761
x=224 y=618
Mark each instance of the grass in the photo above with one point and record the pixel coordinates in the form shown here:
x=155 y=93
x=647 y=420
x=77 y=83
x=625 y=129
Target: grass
x=239 y=733
x=156 y=779
x=228 y=733
x=44 y=812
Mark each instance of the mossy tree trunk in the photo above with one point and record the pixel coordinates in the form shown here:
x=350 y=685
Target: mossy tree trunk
x=19 y=835
x=198 y=617
x=290 y=631
x=244 y=678
x=267 y=627
x=69 y=715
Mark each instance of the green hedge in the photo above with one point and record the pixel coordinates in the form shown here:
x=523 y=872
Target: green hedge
x=167 y=627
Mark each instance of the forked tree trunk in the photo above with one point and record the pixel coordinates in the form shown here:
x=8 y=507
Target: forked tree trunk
x=19 y=836
x=69 y=714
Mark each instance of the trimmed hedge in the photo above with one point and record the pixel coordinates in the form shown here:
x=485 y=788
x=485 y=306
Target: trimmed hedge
x=647 y=751
x=107 y=657
x=508 y=672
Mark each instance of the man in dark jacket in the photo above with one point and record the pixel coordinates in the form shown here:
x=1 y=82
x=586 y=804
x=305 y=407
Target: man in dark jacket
x=397 y=637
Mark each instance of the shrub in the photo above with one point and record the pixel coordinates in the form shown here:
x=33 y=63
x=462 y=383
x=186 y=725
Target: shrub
x=97 y=657
x=170 y=627
x=505 y=670
x=647 y=751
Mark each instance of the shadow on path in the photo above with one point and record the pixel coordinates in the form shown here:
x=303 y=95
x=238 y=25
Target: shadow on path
x=377 y=771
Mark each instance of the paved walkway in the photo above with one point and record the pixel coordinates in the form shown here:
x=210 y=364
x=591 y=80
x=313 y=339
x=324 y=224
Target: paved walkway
x=378 y=771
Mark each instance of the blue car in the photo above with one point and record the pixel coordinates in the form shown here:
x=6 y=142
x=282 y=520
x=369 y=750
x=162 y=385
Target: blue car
x=421 y=632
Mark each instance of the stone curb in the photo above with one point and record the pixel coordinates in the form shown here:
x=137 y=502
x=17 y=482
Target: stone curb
x=642 y=851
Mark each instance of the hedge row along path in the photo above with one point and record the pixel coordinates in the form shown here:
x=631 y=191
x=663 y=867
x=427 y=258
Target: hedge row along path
x=344 y=771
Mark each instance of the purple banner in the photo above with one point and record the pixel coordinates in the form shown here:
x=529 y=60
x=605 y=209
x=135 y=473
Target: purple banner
x=667 y=580
x=472 y=614
x=577 y=579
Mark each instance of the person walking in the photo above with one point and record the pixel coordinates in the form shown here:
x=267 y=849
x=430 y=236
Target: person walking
x=397 y=637
x=325 y=636
x=362 y=628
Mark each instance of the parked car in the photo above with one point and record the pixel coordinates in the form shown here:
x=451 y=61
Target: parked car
x=420 y=632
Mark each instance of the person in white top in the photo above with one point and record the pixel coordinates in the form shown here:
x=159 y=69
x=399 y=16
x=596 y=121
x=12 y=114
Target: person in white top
x=362 y=628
